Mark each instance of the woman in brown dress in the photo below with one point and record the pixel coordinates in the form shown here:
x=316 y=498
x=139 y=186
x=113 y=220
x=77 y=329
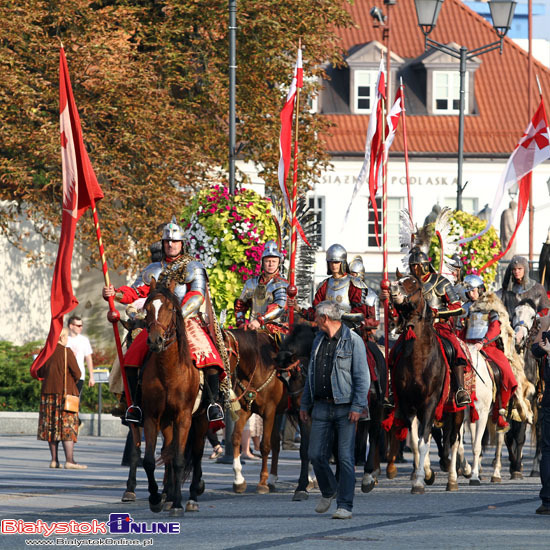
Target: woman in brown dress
x=54 y=423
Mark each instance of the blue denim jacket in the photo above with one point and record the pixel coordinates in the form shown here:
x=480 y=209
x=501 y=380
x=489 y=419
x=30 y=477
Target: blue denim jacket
x=350 y=378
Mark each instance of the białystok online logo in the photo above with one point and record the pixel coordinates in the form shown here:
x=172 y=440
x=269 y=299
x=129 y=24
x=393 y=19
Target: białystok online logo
x=122 y=524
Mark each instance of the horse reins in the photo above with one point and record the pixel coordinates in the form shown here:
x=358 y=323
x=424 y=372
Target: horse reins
x=169 y=336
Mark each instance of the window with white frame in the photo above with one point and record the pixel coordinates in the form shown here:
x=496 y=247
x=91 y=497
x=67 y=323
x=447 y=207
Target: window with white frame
x=395 y=204
x=446 y=92
x=364 y=93
x=316 y=204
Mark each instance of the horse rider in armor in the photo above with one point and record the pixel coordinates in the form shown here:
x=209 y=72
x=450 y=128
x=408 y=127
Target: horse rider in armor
x=444 y=301
x=368 y=297
x=191 y=289
x=485 y=314
x=264 y=296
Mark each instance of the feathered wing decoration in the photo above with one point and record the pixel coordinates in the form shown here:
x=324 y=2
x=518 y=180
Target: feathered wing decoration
x=407 y=231
x=448 y=242
x=305 y=255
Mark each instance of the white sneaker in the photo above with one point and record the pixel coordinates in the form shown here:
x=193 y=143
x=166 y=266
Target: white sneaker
x=342 y=513
x=324 y=504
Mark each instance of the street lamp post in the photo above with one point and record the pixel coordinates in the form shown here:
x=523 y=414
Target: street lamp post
x=427 y=12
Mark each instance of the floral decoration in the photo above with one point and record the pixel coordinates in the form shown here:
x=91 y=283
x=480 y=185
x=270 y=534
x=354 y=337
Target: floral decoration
x=474 y=254
x=227 y=234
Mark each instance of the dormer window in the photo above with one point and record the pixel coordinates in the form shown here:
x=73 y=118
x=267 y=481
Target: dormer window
x=446 y=92
x=365 y=90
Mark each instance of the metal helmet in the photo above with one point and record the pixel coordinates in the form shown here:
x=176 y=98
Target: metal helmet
x=417 y=257
x=172 y=231
x=357 y=266
x=337 y=253
x=473 y=281
x=456 y=261
x=271 y=250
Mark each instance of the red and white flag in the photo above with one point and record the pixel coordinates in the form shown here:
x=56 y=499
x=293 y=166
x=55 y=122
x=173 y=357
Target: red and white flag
x=80 y=191
x=532 y=149
x=373 y=147
x=285 y=137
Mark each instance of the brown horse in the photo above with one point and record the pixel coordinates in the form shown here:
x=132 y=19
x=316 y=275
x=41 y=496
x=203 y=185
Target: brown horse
x=420 y=376
x=260 y=391
x=170 y=393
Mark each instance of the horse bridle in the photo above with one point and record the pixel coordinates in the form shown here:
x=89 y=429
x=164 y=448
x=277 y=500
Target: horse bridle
x=294 y=367
x=169 y=334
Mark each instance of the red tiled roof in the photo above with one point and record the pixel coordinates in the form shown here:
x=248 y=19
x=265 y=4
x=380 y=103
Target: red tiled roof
x=500 y=84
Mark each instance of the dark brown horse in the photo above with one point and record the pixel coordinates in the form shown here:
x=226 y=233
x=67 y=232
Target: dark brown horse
x=259 y=390
x=170 y=387
x=420 y=376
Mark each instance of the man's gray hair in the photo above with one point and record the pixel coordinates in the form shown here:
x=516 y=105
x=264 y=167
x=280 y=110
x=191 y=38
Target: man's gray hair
x=331 y=309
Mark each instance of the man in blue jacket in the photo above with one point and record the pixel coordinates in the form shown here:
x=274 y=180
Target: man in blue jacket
x=335 y=395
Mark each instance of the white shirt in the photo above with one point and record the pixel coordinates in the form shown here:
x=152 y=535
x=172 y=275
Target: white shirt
x=81 y=348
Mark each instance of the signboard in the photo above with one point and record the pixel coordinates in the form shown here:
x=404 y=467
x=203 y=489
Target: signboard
x=101 y=376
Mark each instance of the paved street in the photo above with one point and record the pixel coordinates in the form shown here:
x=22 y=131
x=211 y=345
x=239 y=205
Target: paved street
x=491 y=516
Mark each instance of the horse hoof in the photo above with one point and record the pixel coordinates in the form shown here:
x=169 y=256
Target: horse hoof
x=175 y=512
x=262 y=489
x=300 y=495
x=534 y=473
x=129 y=496
x=201 y=488
x=475 y=482
x=430 y=480
x=495 y=479
x=168 y=505
x=391 y=472
x=155 y=505
x=272 y=488
x=368 y=486
x=239 y=487
x=516 y=475
x=192 y=506
x=452 y=486
x=417 y=490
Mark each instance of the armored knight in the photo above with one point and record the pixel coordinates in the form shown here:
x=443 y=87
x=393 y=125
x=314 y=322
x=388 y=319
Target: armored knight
x=264 y=296
x=191 y=289
x=484 y=318
x=442 y=298
x=341 y=287
x=368 y=297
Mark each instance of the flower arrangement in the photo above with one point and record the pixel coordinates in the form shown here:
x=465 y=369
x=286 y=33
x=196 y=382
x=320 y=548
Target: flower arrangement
x=227 y=234
x=476 y=253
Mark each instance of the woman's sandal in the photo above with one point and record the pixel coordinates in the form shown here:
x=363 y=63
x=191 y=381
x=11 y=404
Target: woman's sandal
x=217 y=452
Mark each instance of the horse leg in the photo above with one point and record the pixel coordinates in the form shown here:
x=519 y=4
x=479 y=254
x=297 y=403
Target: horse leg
x=414 y=448
x=151 y=428
x=515 y=438
x=168 y=479
x=300 y=493
x=496 y=477
x=135 y=453
x=457 y=420
x=196 y=488
x=265 y=446
x=391 y=468
x=182 y=425
x=239 y=483
x=275 y=450
x=477 y=430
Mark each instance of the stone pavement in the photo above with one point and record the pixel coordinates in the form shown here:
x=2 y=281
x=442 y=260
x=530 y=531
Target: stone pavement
x=491 y=516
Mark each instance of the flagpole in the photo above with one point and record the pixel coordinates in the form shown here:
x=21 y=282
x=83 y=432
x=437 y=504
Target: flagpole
x=292 y=290
x=406 y=148
x=113 y=315
x=385 y=284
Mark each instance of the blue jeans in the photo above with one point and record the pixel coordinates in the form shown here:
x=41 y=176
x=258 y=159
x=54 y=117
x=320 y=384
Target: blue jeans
x=329 y=419
x=545 y=456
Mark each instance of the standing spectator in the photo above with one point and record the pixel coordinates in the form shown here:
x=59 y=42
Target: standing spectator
x=82 y=349
x=335 y=394
x=60 y=375
x=541 y=350
x=508 y=221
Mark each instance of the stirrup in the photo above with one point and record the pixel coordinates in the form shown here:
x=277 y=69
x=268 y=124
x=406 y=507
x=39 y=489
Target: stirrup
x=214 y=412
x=466 y=399
x=133 y=414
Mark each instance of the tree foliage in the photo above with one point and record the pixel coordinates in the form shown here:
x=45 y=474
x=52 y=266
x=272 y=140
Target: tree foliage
x=150 y=79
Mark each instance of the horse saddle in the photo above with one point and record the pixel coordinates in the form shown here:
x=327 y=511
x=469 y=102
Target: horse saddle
x=494 y=371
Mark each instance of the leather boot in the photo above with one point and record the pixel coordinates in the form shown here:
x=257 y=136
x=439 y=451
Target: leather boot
x=134 y=413
x=214 y=411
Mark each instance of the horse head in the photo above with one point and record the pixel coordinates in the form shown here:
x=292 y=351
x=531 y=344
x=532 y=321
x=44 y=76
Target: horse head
x=522 y=321
x=163 y=317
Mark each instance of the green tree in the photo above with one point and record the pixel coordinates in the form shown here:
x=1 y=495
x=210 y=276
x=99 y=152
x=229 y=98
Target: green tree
x=150 y=79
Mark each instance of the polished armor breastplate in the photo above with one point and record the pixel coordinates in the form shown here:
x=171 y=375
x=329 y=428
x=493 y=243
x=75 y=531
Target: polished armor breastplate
x=478 y=325
x=338 y=291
